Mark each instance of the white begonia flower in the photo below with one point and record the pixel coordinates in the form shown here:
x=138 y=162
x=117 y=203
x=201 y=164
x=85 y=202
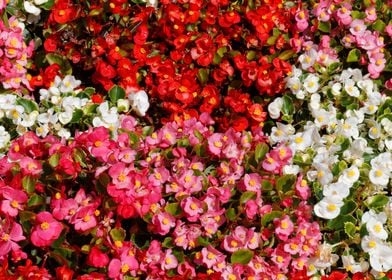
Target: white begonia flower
x=49 y=117
x=7 y=102
x=372 y=215
x=321 y=117
x=311 y=83
x=5 y=137
x=40 y=2
x=369 y=108
x=66 y=116
x=314 y=101
x=275 y=107
x=308 y=59
x=123 y=105
x=350 y=175
x=351 y=265
x=291 y=169
x=349 y=127
x=294 y=84
x=15 y=113
x=379 y=176
x=366 y=85
x=375 y=228
x=68 y=84
x=387 y=125
x=42 y=130
x=375 y=131
x=31 y=9
x=336 y=89
x=295 y=72
x=29 y=120
x=357 y=74
x=281 y=132
x=325 y=258
x=336 y=191
x=370 y=243
x=328 y=208
x=301 y=140
x=381 y=259
x=64 y=133
x=323 y=174
x=346 y=74
x=351 y=89
x=139 y=102
x=74 y=102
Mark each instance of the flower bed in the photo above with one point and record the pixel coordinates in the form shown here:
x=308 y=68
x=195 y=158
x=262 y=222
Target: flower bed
x=195 y=139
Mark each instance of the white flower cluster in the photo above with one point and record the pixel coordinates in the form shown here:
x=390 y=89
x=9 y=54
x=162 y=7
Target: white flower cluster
x=32 y=6
x=61 y=105
x=333 y=146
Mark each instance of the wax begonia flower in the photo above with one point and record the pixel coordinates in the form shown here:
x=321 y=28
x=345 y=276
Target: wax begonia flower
x=97 y=258
x=139 y=102
x=31 y=9
x=46 y=230
x=328 y=208
x=13 y=201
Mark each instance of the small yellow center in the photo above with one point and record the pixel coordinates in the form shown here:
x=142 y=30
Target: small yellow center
x=124 y=268
x=45 y=226
x=331 y=207
x=14 y=204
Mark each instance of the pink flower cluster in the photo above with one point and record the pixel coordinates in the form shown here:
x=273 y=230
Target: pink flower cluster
x=14 y=54
x=178 y=184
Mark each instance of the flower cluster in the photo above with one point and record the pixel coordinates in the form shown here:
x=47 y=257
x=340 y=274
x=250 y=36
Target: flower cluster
x=156 y=139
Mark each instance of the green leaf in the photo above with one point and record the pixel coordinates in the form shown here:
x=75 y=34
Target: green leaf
x=338 y=222
x=267 y=218
x=28 y=105
x=377 y=202
x=65 y=66
x=349 y=229
x=247 y=196
x=242 y=256
x=260 y=151
x=334 y=67
x=203 y=241
x=174 y=209
x=266 y=185
x=116 y=93
x=287 y=54
x=221 y=51
x=324 y=26
x=168 y=242
x=118 y=234
x=251 y=55
x=231 y=214
x=198 y=135
x=285 y=182
x=54 y=160
x=76 y=116
x=379 y=25
x=35 y=200
x=28 y=183
x=353 y=55
x=271 y=40
x=202 y=75
x=47 y=5
x=288 y=106
x=348 y=207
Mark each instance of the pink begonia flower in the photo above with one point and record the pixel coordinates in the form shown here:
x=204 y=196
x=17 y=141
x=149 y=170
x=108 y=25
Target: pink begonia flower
x=280 y=258
x=163 y=222
x=283 y=227
x=13 y=201
x=357 y=27
x=252 y=182
x=301 y=18
x=271 y=164
x=293 y=246
x=192 y=208
x=388 y=30
x=302 y=188
x=169 y=260
x=159 y=177
x=251 y=209
x=46 y=230
x=120 y=267
x=215 y=143
x=97 y=258
x=371 y=14
x=84 y=219
x=299 y=263
x=168 y=136
x=30 y=166
x=344 y=14
x=211 y=256
x=128 y=122
x=9 y=236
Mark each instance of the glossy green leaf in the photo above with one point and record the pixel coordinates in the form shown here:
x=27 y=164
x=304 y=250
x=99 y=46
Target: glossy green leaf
x=349 y=229
x=354 y=55
x=116 y=93
x=242 y=256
